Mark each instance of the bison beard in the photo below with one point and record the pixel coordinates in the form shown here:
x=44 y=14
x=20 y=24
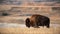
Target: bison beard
x=37 y=20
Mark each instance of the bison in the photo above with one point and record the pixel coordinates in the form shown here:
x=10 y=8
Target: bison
x=37 y=20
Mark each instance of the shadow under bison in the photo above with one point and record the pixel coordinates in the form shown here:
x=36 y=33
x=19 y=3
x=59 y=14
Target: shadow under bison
x=37 y=20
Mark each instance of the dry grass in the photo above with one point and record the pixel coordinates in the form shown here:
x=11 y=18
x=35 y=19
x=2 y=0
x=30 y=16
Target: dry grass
x=18 y=30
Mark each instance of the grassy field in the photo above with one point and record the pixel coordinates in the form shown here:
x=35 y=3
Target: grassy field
x=19 y=30
x=16 y=18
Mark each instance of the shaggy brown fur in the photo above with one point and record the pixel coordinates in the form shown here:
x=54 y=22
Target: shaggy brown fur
x=37 y=20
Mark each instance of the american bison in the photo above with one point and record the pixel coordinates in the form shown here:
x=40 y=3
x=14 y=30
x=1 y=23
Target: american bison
x=37 y=20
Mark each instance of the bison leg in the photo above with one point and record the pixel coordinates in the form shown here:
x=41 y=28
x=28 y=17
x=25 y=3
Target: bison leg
x=47 y=23
x=36 y=25
x=48 y=26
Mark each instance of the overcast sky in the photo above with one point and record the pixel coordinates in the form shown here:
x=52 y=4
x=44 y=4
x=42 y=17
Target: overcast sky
x=18 y=2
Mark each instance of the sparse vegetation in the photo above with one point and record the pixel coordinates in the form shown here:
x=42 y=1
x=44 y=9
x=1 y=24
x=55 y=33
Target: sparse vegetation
x=18 y=30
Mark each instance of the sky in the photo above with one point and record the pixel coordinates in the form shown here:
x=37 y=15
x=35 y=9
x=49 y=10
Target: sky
x=18 y=2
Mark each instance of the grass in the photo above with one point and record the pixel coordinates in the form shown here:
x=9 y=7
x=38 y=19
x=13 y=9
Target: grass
x=41 y=30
